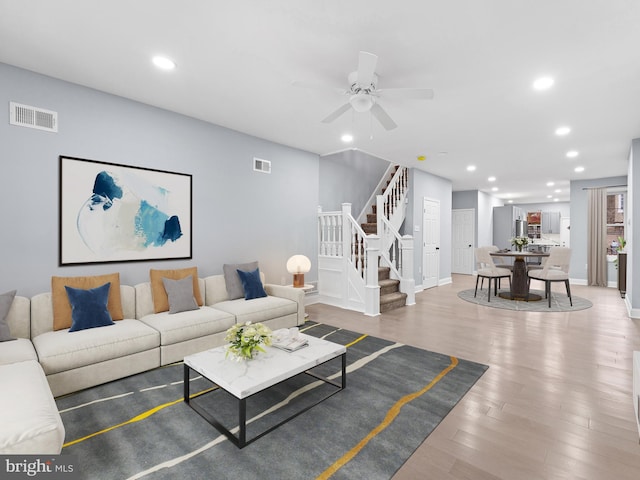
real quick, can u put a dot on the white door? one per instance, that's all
(462, 240)
(430, 243)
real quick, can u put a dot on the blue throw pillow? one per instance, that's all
(252, 284)
(89, 307)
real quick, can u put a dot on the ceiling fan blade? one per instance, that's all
(333, 116)
(406, 93)
(318, 86)
(383, 117)
(366, 68)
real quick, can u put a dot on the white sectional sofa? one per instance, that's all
(190, 332)
(30, 422)
(142, 340)
(78, 360)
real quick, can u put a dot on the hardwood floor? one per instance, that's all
(555, 402)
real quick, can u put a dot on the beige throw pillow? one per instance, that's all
(160, 298)
(62, 306)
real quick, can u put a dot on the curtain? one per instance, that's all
(597, 239)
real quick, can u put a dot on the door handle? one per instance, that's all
(469, 245)
(437, 248)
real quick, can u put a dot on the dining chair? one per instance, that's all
(556, 269)
(499, 262)
(487, 269)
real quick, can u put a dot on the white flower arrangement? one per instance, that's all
(245, 340)
(520, 242)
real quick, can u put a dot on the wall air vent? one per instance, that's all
(33, 117)
(260, 165)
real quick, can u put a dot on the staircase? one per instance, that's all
(390, 295)
(365, 264)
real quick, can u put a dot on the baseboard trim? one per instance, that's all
(445, 281)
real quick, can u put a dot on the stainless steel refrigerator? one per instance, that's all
(521, 228)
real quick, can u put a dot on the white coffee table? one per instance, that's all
(246, 378)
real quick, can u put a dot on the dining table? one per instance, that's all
(519, 281)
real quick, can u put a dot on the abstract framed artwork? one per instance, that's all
(119, 213)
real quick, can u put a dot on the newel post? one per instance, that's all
(371, 288)
(407, 282)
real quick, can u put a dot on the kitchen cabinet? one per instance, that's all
(550, 222)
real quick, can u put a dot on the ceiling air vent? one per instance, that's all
(33, 117)
(260, 165)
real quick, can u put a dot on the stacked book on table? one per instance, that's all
(288, 342)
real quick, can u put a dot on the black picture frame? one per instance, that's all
(111, 212)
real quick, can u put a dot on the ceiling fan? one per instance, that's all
(364, 94)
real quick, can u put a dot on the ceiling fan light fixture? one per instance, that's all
(361, 102)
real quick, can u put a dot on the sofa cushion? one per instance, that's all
(258, 309)
(58, 351)
(17, 351)
(189, 325)
(60, 300)
(232, 280)
(89, 307)
(29, 416)
(6, 300)
(180, 294)
(251, 284)
(159, 294)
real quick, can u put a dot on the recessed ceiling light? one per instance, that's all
(561, 131)
(543, 83)
(491, 179)
(578, 169)
(549, 196)
(494, 189)
(550, 184)
(471, 168)
(347, 138)
(509, 201)
(164, 63)
(556, 199)
(557, 190)
(572, 154)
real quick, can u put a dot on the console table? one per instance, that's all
(622, 274)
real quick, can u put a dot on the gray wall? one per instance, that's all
(238, 214)
(483, 204)
(349, 177)
(579, 221)
(423, 184)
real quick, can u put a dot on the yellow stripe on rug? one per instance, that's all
(137, 418)
(393, 412)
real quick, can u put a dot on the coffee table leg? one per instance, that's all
(242, 423)
(344, 370)
(186, 383)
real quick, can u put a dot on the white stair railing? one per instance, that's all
(396, 250)
(398, 256)
(347, 262)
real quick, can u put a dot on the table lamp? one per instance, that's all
(298, 265)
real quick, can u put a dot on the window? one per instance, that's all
(615, 220)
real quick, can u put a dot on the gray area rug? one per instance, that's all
(139, 427)
(559, 301)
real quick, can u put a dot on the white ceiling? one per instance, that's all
(236, 62)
